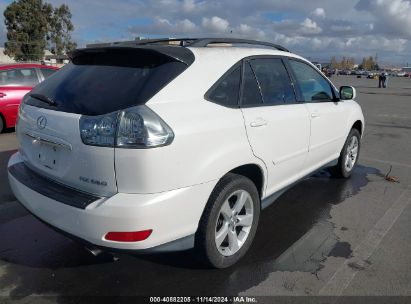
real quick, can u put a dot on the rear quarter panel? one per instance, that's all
(210, 140)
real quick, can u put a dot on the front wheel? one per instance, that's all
(349, 156)
(229, 222)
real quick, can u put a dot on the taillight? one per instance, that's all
(19, 113)
(136, 127)
(98, 130)
(139, 127)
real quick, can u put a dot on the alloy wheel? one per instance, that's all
(351, 154)
(234, 222)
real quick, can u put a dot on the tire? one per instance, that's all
(2, 124)
(345, 167)
(217, 219)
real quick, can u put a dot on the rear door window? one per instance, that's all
(251, 92)
(103, 81)
(19, 77)
(273, 80)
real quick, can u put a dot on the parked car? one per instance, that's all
(152, 148)
(16, 80)
(345, 72)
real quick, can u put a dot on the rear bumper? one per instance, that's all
(173, 215)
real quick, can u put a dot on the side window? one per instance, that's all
(313, 86)
(4, 79)
(273, 80)
(19, 77)
(47, 72)
(251, 91)
(226, 91)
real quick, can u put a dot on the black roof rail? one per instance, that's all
(203, 42)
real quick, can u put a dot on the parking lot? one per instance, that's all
(322, 237)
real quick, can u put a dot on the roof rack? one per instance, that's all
(204, 42)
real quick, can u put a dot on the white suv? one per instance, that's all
(154, 147)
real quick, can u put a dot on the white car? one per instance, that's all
(153, 147)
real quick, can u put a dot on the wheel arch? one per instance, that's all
(254, 172)
(358, 125)
(3, 119)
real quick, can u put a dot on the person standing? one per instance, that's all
(380, 80)
(385, 79)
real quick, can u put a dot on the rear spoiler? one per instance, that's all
(174, 53)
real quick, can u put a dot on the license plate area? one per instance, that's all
(45, 152)
(47, 155)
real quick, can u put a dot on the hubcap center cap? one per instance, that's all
(233, 222)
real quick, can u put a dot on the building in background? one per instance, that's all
(49, 58)
(4, 58)
(56, 60)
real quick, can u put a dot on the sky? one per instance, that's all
(316, 29)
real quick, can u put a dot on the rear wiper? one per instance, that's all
(43, 98)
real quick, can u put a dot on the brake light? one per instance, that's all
(137, 127)
(135, 236)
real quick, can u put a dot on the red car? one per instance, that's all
(16, 80)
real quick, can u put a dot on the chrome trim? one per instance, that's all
(36, 138)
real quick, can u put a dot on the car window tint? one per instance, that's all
(273, 80)
(47, 72)
(227, 90)
(107, 80)
(313, 86)
(251, 92)
(18, 77)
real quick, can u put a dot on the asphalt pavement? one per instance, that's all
(324, 236)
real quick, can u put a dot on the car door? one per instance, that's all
(278, 127)
(328, 115)
(14, 84)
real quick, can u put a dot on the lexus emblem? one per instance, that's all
(41, 122)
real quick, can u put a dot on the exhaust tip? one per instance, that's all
(94, 251)
(104, 255)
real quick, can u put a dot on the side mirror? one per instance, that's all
(347, 93)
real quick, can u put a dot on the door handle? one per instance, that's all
(315, 115)
(259, 122)
(3, 95)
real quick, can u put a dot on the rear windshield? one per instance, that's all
(104, 81)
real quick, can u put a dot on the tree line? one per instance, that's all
(344, 64)
(348, 63)
(34, 26)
